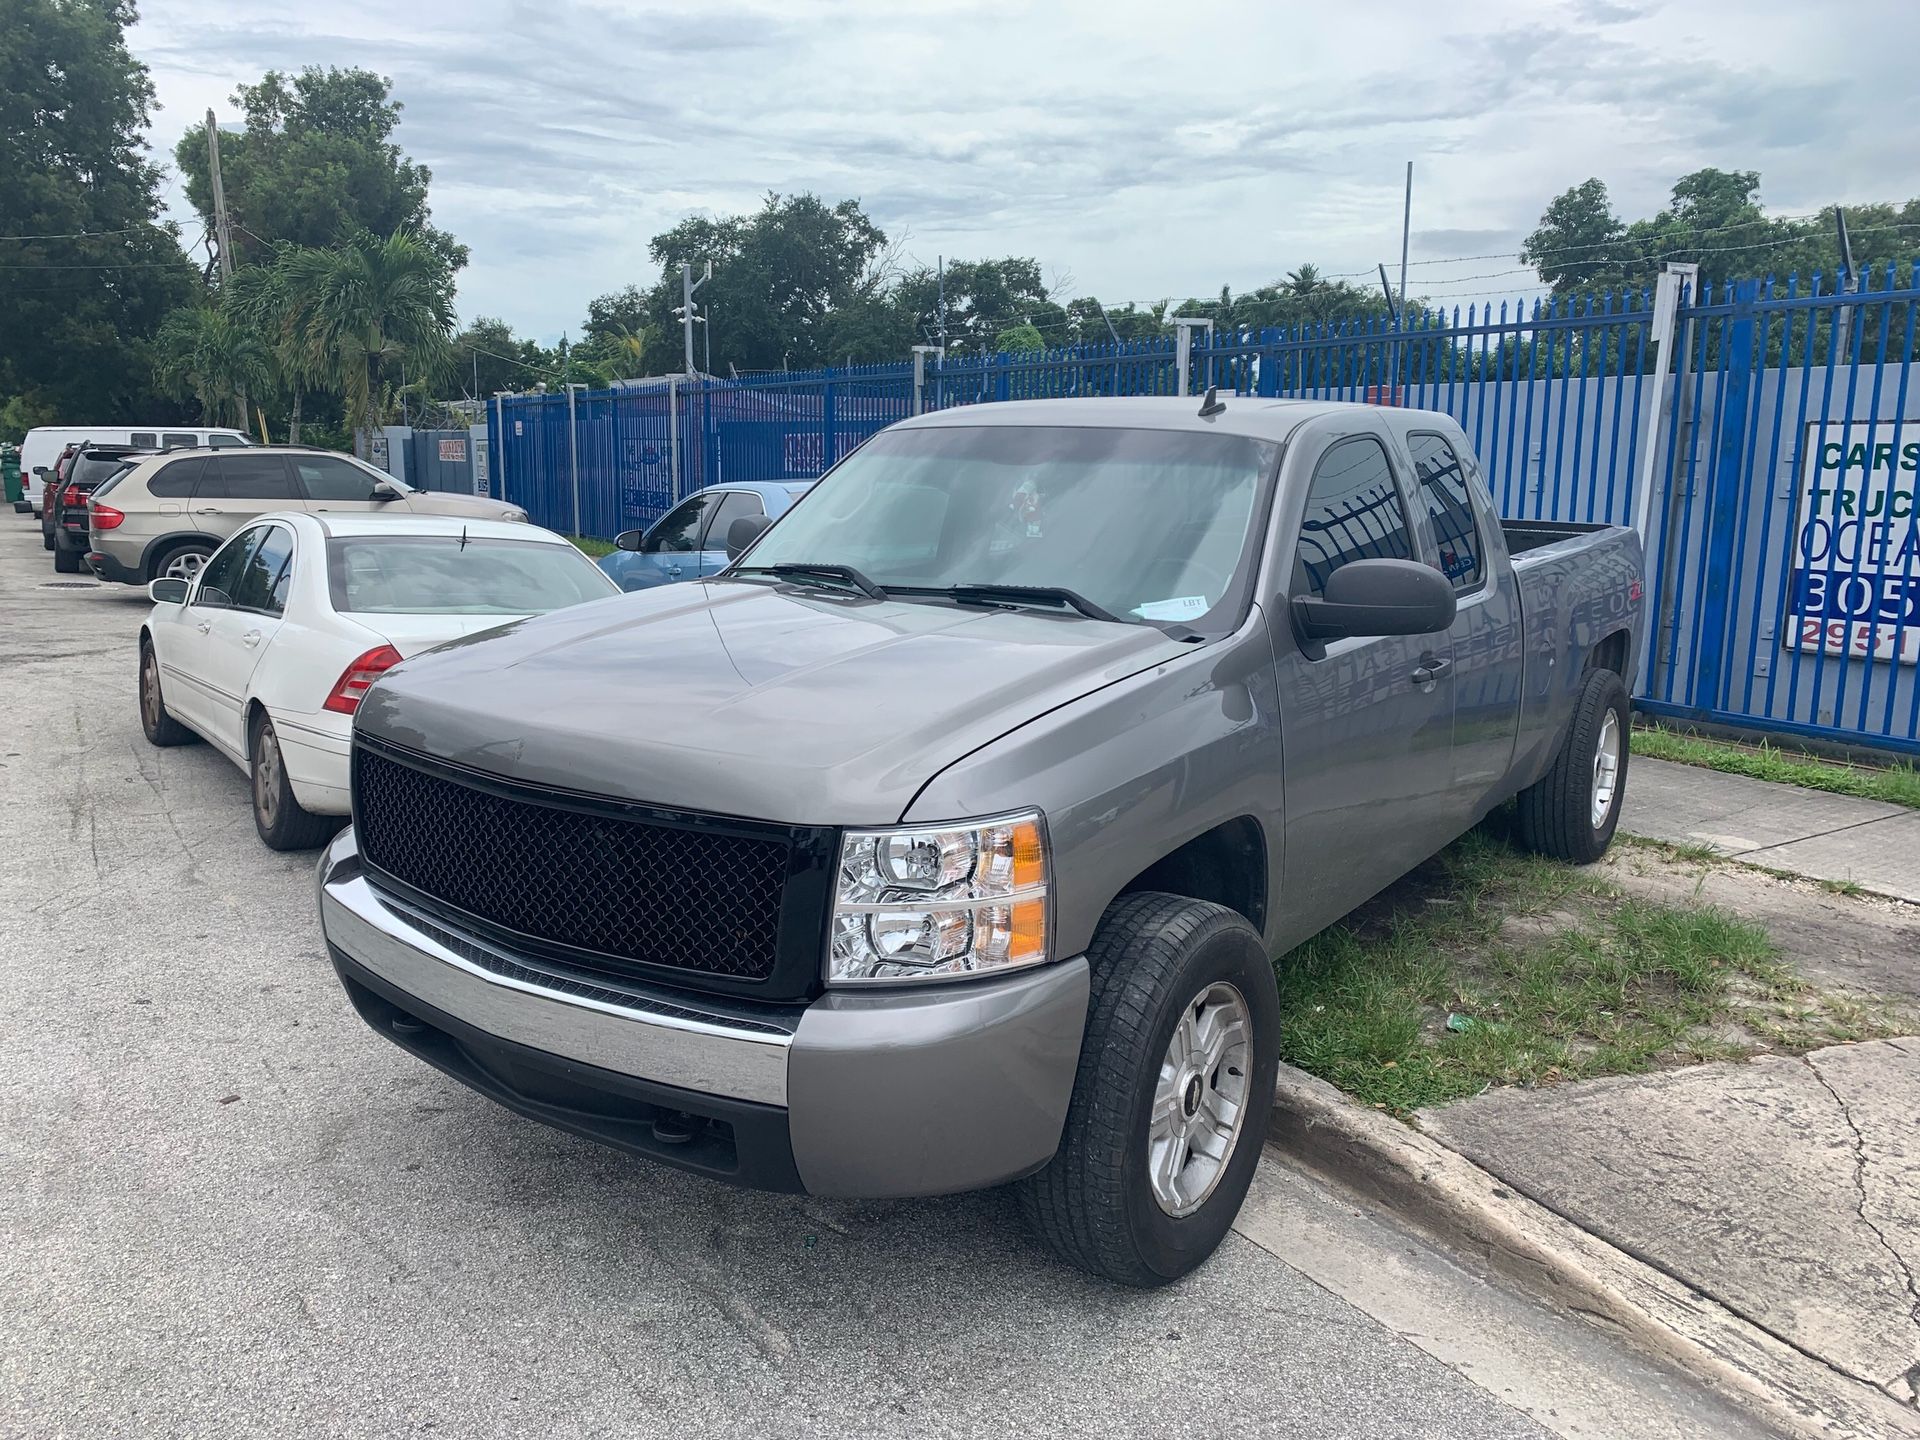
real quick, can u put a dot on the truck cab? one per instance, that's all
(945, 837)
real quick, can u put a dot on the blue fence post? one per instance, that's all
(827, 457)
(1725, 500)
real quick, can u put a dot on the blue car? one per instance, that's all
(690, 540)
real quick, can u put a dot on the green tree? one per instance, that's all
(1579, 240)
(779, 275)
(81, 300)
(209, 354)
(1017, 338)
(315, 162)
(371, 315)
(488, 357)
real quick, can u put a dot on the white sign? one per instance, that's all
(1855, 585)
(519, 427)
(453, 449)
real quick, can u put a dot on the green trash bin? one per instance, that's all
(10, 471)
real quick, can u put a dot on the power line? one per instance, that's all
(87, 234)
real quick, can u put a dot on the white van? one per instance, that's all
(43, 446)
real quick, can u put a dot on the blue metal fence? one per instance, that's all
(1755, 623)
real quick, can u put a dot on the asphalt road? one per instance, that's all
(228, 1208)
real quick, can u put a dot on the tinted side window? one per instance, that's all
(262, 582)
(244, 477)
(175, 481)
(1353, 513)
(324, 478)
(145, 439)
(735, 505)
(224, 569)
(1443, 486)
(679, 528)
(226, 442)
(174, 441)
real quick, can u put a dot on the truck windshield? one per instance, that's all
(1151, 525)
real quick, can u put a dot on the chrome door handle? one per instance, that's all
(1430, 669)
(209, 510)
(673, 570)
(204, 627)
(250, 639)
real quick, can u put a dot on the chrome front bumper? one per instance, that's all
(877, 1093)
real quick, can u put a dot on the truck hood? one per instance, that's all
(742, 699)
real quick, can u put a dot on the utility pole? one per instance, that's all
(223, 237)
(940, 314)
(1400, 306)
(687, 286)
(1843, 315)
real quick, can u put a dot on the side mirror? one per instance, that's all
(41, 471)
(743, 532)
(1378, 597)
(168, 590)
(384, 491)
(629, 539)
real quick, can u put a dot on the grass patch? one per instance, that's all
(593, 547)
(1895, 784)
(1491, 967)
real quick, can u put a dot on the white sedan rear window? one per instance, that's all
(449, 575)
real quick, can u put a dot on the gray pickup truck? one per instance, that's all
(945, 838)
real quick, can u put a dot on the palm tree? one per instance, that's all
(214, 356)
(259, 295)
(363, 306)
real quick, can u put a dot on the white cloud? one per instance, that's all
(1149, 150)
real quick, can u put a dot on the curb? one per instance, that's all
(1445, 1194)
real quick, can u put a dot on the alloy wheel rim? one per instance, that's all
(185, 567)
(1606, 768)
(1199, 1100)
(266, 775)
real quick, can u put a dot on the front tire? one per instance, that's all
(283, 823)
(1170, 1104)
(159, 726)
(1571, 812)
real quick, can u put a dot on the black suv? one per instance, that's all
(66, 504)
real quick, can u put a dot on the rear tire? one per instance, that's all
(65, 561)
(1571, 812)
(182, 562)
(279, 817)
(160, 727)
(1169, 1108)
(46, 533)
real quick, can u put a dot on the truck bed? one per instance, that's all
(1525, 535)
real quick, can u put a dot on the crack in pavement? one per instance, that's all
(1860, 1189)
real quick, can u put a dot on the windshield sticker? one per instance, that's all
(1181, 607)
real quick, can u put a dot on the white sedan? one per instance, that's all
(268, 651)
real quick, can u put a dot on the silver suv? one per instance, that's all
(168, 514)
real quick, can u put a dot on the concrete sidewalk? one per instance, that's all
(1757, 1223)
(1783, 827)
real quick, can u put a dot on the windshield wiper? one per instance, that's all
(806, 570)
(1032, 595)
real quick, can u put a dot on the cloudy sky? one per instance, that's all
(1138, 150)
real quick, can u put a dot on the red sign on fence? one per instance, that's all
(453, 449)
(1383, 395)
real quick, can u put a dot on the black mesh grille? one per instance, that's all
(683, 897)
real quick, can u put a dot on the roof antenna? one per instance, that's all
(463, 537)
(1212, 405)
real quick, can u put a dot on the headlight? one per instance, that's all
(927, 902)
